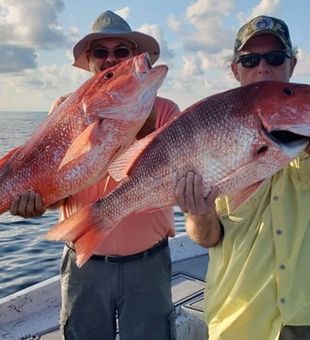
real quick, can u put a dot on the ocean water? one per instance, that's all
(26, 257)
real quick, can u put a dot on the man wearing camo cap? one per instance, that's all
(258, 282)
(263, 25)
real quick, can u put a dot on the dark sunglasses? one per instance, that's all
(103, 53)
(274, 58)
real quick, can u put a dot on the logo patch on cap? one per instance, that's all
(263, 24)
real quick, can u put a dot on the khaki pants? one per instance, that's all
(295, 333)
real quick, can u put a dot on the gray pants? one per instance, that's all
(295, 333)
(137, 292)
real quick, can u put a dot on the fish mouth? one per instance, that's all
(290, 142)
(284, 136)
(148, 61)
(143, 64)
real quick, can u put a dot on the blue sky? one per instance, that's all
(196, 39)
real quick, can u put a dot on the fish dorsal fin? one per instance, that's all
(8, 155)
(120, 168)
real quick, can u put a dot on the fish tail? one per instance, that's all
(71, 228)
(85, 246)
(84, 229)
(77, 225)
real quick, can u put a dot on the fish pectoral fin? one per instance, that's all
(120, 167)
(83, 143)
(8, 155)
(243, 195)
(250, 176)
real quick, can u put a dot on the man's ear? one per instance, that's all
(293, 64)
(234, 70)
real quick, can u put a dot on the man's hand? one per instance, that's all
(202, 224)
(28, 204)
(189, 195)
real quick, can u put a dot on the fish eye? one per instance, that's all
(289, 91)
(108, 75)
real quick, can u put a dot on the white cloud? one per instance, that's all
(207, 18)
(302, 69)
(202, 75)
(264, 7)
(25, 28)
(203, 67)
(191, 66)
(42, 86)
(153, 30)
(124, 12)
(73, 36)
(187, 90)
(174, 23)
(202, 10)
(32, 23)
(16, 58)
(195, 64)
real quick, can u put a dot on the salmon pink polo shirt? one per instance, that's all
(137, 232)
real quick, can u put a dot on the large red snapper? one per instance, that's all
(234, 140)
(71, 149)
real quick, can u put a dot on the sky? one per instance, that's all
(196, 39)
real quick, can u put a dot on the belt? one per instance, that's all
(122, 259)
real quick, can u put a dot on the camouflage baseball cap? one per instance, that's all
(263, 25)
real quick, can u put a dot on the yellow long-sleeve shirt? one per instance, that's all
(259, 276)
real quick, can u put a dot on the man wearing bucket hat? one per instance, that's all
(258, 282)
(130, 276)
(110, 27)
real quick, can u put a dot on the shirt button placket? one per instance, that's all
(280, 255)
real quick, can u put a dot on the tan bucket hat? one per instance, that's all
(111, 25)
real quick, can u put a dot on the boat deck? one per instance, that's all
(187, 289)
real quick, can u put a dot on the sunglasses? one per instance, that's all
(103, 53)
(274, 58)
